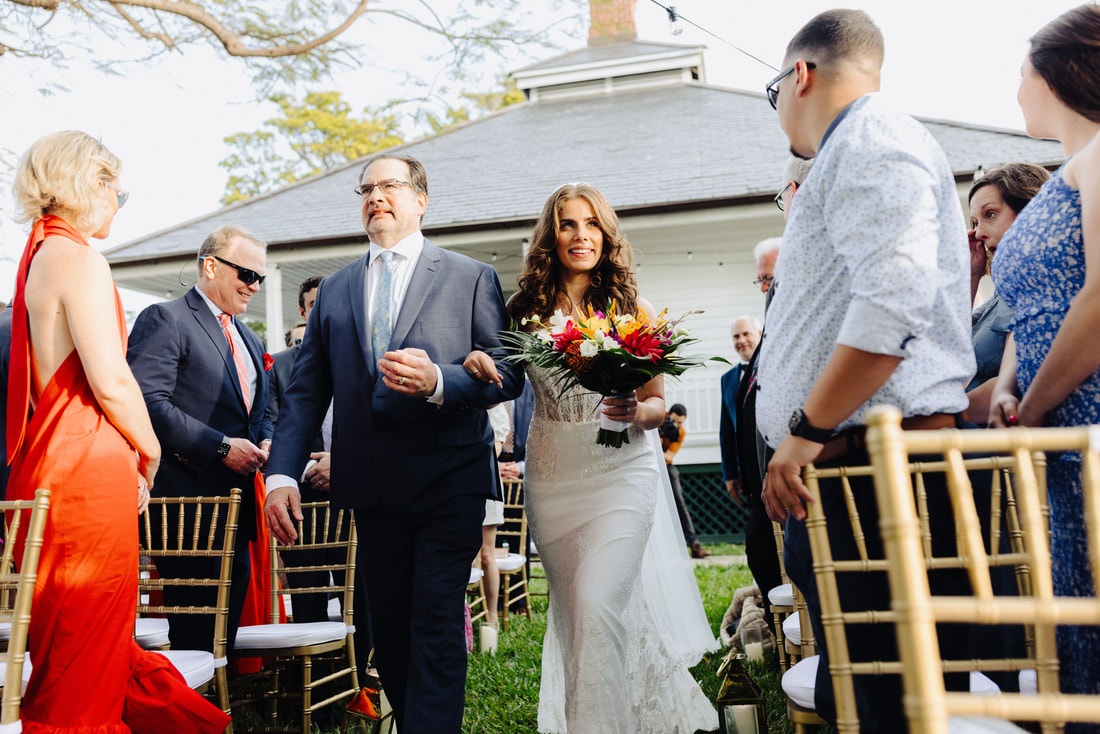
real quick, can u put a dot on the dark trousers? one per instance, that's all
(681, 507)
(416, 566)
(195, 631)
(761, 552)
(878, 697)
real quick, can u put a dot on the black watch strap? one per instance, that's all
(800, 426)
(223, 449)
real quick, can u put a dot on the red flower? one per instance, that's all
(642, 344)
(269, 362)
(568, 335)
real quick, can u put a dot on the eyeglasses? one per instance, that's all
(389, 186)
(248, 277)
(772, 89)
(779, 197)
(766, 280)
(123, 196)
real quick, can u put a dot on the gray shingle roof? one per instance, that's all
(683, 143)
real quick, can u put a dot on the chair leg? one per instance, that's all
(272, 701)
(221, 681)
(505, 599)
(780, 641)
(307, 692)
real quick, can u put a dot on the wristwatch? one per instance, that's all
(223, 449)
(800, 426)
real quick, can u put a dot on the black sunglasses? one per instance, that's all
(248, 277)
(772, 89)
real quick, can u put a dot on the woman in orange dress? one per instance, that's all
(77, 426)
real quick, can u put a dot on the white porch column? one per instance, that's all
(273, 287)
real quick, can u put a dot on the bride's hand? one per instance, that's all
(623, 408)
(481, 367)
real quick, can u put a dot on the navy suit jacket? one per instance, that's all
(181, 359)
(727, 426)
(402, 453)
(283, 365)
(522, 410)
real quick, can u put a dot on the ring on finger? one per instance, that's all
(402, 381)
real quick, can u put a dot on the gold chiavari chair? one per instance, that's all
(927, 704)
(17, 593)
(513, 567)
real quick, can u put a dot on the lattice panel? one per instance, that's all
(715, 516)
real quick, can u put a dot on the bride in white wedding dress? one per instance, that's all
(626, 620)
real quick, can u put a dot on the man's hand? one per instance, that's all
(783, 488)
(244, 457)
(482, 367)
(733, 489)
(509, 471)
(409, 372)
(317, 476)
(669, 456)
(280, 505)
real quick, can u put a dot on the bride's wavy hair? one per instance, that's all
(611, 278)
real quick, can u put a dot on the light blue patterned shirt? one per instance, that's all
(874, 257)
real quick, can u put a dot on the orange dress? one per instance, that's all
(89, 676)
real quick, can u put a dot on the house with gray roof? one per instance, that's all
(691, 169)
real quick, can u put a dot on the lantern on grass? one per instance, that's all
(740, 704)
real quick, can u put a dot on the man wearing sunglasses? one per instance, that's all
(871, 309)
(412, 451)
(202, 374)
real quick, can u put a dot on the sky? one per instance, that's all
(166, 117)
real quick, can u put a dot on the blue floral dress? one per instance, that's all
(1039, 269)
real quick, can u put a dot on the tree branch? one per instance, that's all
(164, 38)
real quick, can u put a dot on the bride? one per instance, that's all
(626, 620)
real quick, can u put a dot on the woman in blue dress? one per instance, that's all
(1048, 271)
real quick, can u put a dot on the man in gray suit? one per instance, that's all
(412, 451)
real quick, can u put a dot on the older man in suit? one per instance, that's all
(203, 376)
(412, 448)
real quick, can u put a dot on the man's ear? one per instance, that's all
(803, 78)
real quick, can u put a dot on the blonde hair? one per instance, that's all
(62, 172)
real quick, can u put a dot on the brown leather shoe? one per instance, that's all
(698, 551)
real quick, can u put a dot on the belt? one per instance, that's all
(854, 440)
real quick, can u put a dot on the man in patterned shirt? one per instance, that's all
(872, 311)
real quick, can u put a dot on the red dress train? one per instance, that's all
(89, 676)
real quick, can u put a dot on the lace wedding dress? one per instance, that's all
(626, 620)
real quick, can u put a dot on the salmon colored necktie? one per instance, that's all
(242, 373)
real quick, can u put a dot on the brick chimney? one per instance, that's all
(612, 22)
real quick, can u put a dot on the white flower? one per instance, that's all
(558, 322)
(589, 348)
(544, 336)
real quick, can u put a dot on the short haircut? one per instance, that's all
(1017, 182)
(307, 285)
(765, 247)
(1066, 54)
(217, 242)
(286, 337)
(678, 409)
(797, 170)
(755, 321)
(839, 35)
(62, 172)
(417, 175)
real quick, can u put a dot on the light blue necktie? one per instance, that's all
(382, 328)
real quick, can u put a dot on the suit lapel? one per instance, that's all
(213, 329)
(254, 346)
(424, 275)
(357, 297)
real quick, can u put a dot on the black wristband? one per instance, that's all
(800, 426)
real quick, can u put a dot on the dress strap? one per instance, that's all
(19, 371)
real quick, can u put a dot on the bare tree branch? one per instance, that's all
(141, 31)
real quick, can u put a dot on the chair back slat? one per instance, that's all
(322, 527)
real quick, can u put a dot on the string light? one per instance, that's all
(675, 18)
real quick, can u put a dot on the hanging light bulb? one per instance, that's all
(689, 254)
(674, 26)
(494, 257)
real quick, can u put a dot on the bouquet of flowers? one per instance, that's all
(611, 354)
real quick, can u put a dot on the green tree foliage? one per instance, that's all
(309, 136)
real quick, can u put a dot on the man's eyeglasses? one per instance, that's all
(766, 280)
(772, 89)
(779, 197)
(248, 277)
(389, 186)
(123, 196)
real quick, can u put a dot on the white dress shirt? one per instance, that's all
(238, 345)
(874, 257)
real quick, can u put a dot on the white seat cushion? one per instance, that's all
(476, 575)
(513, 562)
(782, 596)
(334, 613)
(799, 681)
(5, 630)
(792, 629)
(981, 725)
(982, 685)
(1029, 682)
(260, 636)
(196, 666)
(151, 632)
